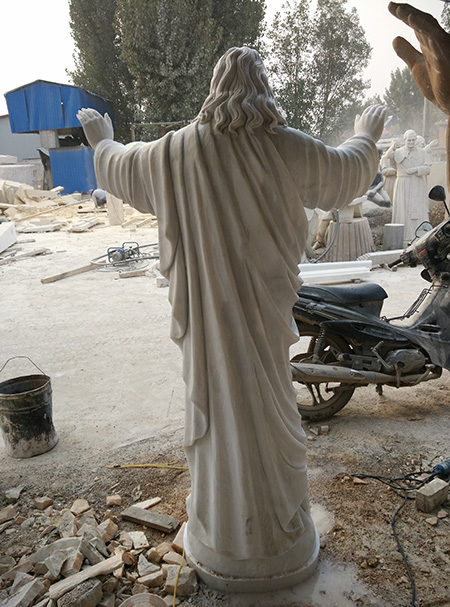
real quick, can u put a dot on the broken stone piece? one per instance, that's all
(187, 583)
(113, 500)
(107, 530)
(432, 495)
(156, 554)
(41, 503)
(73, 563)
(161, 522)
(152, 580)
(173, 558)
(12, 495)
(148, 503)
(145, 567)
(67, 526)
(177, 543)
(6, 563)
(86, 594)
(7, 514)
(79, 506)
(139, 540)
(432, 520)
(27, 594)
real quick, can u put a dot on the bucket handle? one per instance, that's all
(14, 357)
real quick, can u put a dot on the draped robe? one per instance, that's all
(232, 228)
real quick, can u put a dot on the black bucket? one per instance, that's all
(26, 414)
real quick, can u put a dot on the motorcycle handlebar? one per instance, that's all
(395, 263)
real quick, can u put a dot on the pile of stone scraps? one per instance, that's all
(82, 560)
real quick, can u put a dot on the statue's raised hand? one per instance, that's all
(431, 67)
(96, 127)
(371, 121)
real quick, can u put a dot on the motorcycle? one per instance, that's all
(346, 343)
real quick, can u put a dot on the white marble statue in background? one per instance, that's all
(229, 192)
(389, 167)
(410, 193)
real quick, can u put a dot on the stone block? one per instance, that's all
(8, 235)
(178, 543)
(67, 526)
(27, 594)
(7, 514)
(173, 558)
(79, 506)
(86, 594)
(152, 580)
(107, 530)
(432, 495)
(73, 563)
(41, 503)
(186, 582)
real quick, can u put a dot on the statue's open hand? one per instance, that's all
(431, 68)
(96, 127)
(371, 121)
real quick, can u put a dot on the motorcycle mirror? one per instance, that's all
(437, 193)
(423, 228)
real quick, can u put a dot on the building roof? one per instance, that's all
(43, 105)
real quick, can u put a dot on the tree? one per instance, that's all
(340, 54)
(404, 100)
(445, 17)
(154, 58)
(98, 66)
(317, 65)
(169, 47)
(289, 55)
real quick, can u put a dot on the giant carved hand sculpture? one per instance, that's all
(431, 67)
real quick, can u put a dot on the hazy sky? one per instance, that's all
(36, 44)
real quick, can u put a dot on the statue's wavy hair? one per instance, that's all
(240, 94)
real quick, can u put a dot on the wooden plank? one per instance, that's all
(73, 272)
(132, 273)
(161, 522)
(33, 253)
(108, 566)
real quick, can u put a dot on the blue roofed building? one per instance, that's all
(50, 109)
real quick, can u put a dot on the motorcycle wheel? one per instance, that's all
(320, 401)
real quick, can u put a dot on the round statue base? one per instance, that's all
(223, 583)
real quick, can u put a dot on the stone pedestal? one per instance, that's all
(255, 575)
(353, 240)
(393, 236)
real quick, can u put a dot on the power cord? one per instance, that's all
(402, 486)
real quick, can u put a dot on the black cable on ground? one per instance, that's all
(398, 485)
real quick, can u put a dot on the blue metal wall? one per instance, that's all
(42, 105)
(73, 168)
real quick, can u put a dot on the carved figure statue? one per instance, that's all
(410, 205)
(431, 67)
(389, 169)
(229, 192)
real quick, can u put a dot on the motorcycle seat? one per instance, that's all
(344, 294)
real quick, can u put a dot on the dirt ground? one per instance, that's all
(118, 400)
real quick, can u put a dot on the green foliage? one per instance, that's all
(98, 66)
(404, 100)
(154, 58)
(445, 17)
(317, 65)
(169, 46)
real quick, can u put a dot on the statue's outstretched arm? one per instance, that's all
(96, 127)
(371, 122)
(431, 67)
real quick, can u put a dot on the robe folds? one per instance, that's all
(410, 201)
(232, 228)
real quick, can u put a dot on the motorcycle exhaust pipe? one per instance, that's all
(314, 373)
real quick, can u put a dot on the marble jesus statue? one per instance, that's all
(230, 191)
